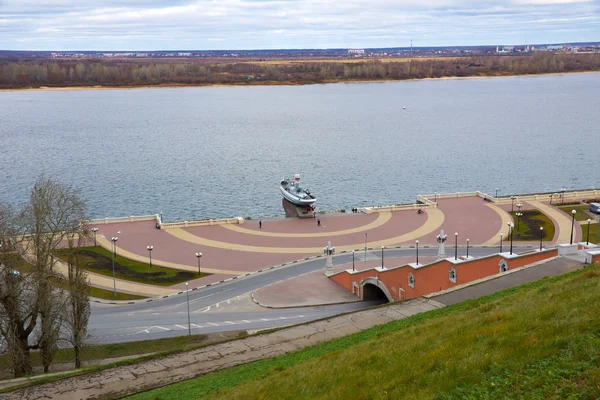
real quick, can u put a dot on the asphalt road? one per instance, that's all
(210, 308)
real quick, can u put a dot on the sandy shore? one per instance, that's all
(176, 86)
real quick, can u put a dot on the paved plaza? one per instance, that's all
(233, 250)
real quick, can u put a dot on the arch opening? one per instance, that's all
(371, 292)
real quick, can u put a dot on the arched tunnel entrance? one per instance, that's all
(373, 292)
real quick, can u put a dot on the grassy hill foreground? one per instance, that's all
(536, 341)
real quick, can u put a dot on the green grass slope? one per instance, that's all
(536, 341)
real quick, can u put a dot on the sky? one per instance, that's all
(291, 24)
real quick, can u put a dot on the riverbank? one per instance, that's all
(280, 83)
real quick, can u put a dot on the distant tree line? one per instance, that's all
(65, 73)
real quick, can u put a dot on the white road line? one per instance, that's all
(246, 321)
(213, 324)
(196, 326)
(179, 326)
(160, 327)
(264, 319)
(229, 322)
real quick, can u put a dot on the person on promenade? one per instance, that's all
(259, 224)
(318, 221)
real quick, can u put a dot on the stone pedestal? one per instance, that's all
(441, 238)
(294, 211)
(329, 265)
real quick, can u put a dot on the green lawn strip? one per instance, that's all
(527, 226)
(99, 260)
(25, 268)
(425, 354)
(101, 351)
(594, 233)
(581, 213)
(109, 295)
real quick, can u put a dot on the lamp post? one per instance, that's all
(150, 248)
(496, 192)
(435, 197)
(417, 242)
(588, 233)
(511, 227)
(467, 248)
(501, 243)
(562, 195)
(353, 252)
(94, 229)
(456, 245)
(572, 225)
(382, 247)
(551, 195)
(512, 204)
(365, 246)
(187, 295)
(198, 257)
(541, 235)
(519, 215)
(114, 243)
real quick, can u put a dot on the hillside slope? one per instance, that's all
(540, 340)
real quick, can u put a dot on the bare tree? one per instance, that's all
(78, 304)
(18, 304)
(55, 212)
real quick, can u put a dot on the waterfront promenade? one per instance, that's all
(232, 250)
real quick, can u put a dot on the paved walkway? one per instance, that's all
(121, 381)
(234, 250)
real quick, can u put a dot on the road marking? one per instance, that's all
(213, 324)
(196, 326)
(246, 321)
(179, 326)
(229, 322)
(160, 327)
(264, 319)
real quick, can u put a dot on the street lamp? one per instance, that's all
(435, 197)
(541, 235)
(382, 256)
(562, 195)
(519, 205)
(511, 228)
(417, 242)
(519, 215)
(114, 245)
(501, 243)
(198, 256)
(588, 233)
(150, 248)
(467, 248)
(353, 251)
(496, 192)
(551, 195)
(456, 245)
(572, 225)
(187, 295)
(94, 229)
(365, 246)
(512, 204)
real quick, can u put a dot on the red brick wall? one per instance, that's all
(435, 277)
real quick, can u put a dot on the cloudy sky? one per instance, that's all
(273, 24)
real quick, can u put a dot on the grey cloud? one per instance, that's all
(231, 24)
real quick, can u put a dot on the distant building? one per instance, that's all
(356, 52)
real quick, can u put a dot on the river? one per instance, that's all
(221, 151)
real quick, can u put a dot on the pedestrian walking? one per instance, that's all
(260, 224)
(318, 221)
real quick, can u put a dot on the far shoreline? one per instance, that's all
(286, 83)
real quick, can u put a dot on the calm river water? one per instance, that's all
(221, 151)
